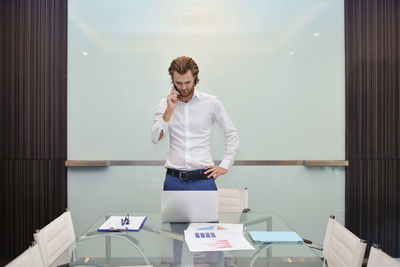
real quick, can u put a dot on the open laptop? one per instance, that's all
(189, 206)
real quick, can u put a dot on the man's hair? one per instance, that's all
(183, 65)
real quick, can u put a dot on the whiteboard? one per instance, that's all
(277, 66)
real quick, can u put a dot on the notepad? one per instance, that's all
(113, 224)
(273, 236)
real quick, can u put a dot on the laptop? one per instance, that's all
(189, 206)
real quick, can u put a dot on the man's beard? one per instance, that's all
(187, 92)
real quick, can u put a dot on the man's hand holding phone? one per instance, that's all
(172, 100)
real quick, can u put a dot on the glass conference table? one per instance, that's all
(162, 244)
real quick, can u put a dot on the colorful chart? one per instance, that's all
(216, 227)
(220, 244)
(205, 235)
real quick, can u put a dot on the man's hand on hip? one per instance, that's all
(215, 171)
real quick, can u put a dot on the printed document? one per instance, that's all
(216, 226)
(216, 237)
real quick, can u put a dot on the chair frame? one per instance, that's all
(42, 236)
(378, 256)
(31, 255)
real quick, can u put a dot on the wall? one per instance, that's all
(33, 88)
(278, 68)
(372, 122)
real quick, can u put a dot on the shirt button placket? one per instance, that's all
(187, 136)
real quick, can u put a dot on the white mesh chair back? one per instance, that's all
(378, 258)
(341, 247)
(233, 200)
(55, 238)
(30, 257)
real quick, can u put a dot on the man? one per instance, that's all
(189, 115)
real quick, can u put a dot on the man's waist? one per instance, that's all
(188, 175)
(188, 164)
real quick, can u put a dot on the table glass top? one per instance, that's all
(160, 243)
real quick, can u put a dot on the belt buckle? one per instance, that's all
(183, 178)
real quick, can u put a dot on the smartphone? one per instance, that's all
(176, 89)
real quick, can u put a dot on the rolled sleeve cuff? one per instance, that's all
(226, 163)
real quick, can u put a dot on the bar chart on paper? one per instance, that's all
(217, 243)
(205, 235)
(219, 240)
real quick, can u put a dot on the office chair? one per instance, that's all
(233, 200)
(233, 203)
(378, 258)
(341, 247)
(30, 257)
(55, 238)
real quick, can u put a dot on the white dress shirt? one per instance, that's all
(190, 129)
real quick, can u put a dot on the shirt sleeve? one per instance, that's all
(231, 135)
(159, 124)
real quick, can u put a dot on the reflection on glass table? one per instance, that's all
(162, 244)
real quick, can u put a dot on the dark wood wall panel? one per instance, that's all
(36, 193)
(33, 84)
(33, 120)
(372, 79)
(373, 202)
(372, 29)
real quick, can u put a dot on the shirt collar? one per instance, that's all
(196, 93)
